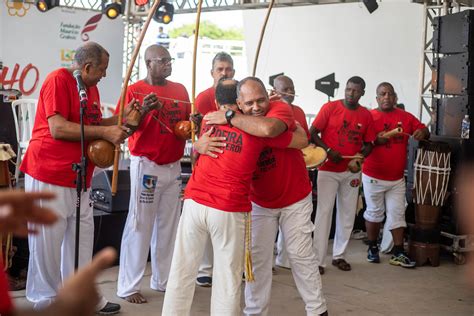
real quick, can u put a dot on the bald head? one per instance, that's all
(158, 64)
(284, 86)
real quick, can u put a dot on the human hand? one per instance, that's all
(151, 102)
(208, 145)
(421, 134)
(216, 118)
(381, 140)
(79, 295)
(116, 134)
(334, 156)
(18, 207)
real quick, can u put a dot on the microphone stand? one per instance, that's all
(81, 174)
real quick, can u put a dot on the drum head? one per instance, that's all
(313, 156)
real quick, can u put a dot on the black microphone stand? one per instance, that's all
(81, 174)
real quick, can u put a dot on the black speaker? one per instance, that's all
(450, 112)
(454, 74)
(101, 191)
(7, 124)
(453, 33)
(371, 5)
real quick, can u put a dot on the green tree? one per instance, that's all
(209, 30)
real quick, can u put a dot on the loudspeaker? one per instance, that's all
(108, 230)
(450, 112)
(101, 191)
(453, 33)
(453, 74)
(371, 5)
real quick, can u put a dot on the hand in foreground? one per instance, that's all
(79, 296)
(150, 103)
(18, 207)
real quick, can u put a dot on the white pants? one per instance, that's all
(296, 228)
(226, 230)
(385, 197)
(151, 223)
(343, 187)
(52, 249)
(205, 269)
(281, 259)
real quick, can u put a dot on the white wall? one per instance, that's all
(47, 41)
(310, 42)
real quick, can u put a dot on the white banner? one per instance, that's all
(32, 44)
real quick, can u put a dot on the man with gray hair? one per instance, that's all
(54, 147)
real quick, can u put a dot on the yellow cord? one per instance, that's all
(248, 253)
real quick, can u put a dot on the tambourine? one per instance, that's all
(314, 156)
(101, 153)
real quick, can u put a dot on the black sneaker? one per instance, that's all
(373, 255)
(109, 309)
(204, 281)
(402, 260)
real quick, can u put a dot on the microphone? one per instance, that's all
(81, 88)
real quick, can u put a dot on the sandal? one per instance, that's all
(341, 264)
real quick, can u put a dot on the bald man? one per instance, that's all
(155, 180)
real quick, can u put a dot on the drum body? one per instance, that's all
(314, 156)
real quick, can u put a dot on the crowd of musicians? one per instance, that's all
(249, 186)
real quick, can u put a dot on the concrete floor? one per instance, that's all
(369, 289)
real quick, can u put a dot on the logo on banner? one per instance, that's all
(26, 82)
(90, 25)
(69, 31)
(67, 57)
(17, 8)
(149, 185)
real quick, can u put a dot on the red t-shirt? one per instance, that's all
(395, 150)
(206, 101)
(50, 160)
(153, 139)
(224, 182)
(6, 305)
(281, 178)
(300, 117)
(343, 130)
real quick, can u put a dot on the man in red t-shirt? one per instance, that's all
(155, 180)
(277, 202)
(384, 183)
(346, 130)
(222, 67)
(284, 87)
(52, 150)
(216, 205)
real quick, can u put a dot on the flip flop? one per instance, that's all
(341, 264)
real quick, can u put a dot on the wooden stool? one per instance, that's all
(423, 253)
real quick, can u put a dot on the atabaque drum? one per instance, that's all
(314, 156)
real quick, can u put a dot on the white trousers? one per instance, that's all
(281, 259)
(226, 230)
(205, 269)
(296, 228)
(52, 249)
(344, 188)
(151, 224)
(385, 198)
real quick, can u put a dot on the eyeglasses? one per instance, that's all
(163, 61)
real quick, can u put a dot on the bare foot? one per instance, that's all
(136, 298)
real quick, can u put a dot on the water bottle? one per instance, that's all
(465, 127)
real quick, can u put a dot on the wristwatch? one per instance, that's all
(229, 115)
